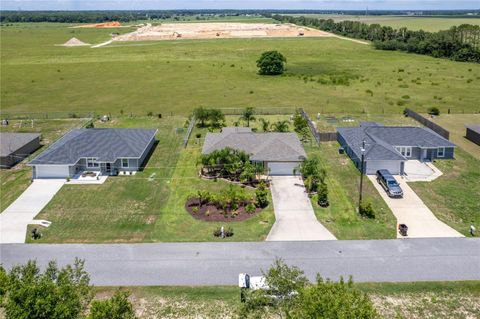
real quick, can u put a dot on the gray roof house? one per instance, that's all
(14, 147)
(108, 150)
(388, 147)
(473, 133)
(281, 153)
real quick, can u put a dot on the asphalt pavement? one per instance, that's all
(427, 259)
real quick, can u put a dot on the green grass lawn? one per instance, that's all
(342, 120)
(439, 300)
(177, 76)
(455, 124)
(147, 207)
(343, 181)
(427, 23)
(15, 180)
(454, 197)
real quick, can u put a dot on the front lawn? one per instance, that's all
(146, 207)
(343, 181)
(455, 196)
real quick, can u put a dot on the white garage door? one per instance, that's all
(282, 168)
(392, 166)
(53, 171)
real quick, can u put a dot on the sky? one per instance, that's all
(238, 4)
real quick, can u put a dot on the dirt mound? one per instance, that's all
(74, 42)
(111, 24)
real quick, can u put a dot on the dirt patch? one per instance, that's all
(74, 42)
(174, 31)
(217, 215)
(111, 24)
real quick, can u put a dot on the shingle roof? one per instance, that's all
(106, 144)
(381, 140)
(11, 142)
(474, 127)
(282, 147)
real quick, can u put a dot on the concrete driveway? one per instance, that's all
(411, 210)
(416, 171)
(15, 218)
(294, 215)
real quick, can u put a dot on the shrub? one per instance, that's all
(198, 135)
(90, 125)
(117, 307)
(195, 210)
(433, 110)
(406, 97)
(366, 210)
(250, 208)
(322, 192)
(369, 92)
(150, 113)
(400, 103)
(261, 195)
(227, 232)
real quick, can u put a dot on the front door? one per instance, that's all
(424, 155)
(108, 168)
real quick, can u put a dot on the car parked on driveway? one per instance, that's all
(389, 183)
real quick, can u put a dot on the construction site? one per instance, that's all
(218, 30)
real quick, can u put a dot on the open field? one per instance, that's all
(423, 300)
(326, 75)
(218, 30)
(454, 197)
(328, 123)
(343, 181)
(148, 206)
(426, 23)
(455, 123)
(15, 180)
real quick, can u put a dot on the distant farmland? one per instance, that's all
(324, 75)
(427, 23)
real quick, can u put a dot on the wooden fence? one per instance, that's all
(319, 136)
(433, 126)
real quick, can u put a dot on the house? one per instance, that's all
(280, 153)
(389, 147)
(473, 133)
(14, 147)
(108, 150)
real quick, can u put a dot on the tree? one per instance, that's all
(248, 115)
(117, 307)
(299, 122)
(327, 299)
(261, 194)
(433, 111)
(201, 114)
(216, 118)
(322, 193)
(280, 126)
(248, 173)
(55, 293)
(271, 63)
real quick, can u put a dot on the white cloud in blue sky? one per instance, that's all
(238, 4)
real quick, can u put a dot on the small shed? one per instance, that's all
(473, 133)
(14, 147)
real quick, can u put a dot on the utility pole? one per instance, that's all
(362, 170)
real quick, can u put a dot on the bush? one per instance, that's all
(366, 210)
(90, 125)
(322, 192)
(433, 110)
(261, 195)
(117, 307)
(271, 63)
(250, 208)
(198, 135)
(228, 232)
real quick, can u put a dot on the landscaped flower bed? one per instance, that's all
(228, 205)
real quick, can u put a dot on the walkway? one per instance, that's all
(439, 259)
(411, 210)
(294, 215)
(15, 218)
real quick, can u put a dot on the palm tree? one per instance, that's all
(248, 115)
(280, 126)
(265, 124)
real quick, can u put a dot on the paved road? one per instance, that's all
(294, 215)
(15, 218)
(411, 210)
(426, 259)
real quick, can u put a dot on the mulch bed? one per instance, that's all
(218, 215)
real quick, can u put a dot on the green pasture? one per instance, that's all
(326, 75)
(426, 23)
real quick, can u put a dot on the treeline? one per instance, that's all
(106, 16)
(460, 43)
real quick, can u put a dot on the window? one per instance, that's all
(404, 150)
(92, 162)
(124, 162)
(441, 152)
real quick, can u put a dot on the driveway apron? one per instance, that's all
(15, 218)
(295, 218)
